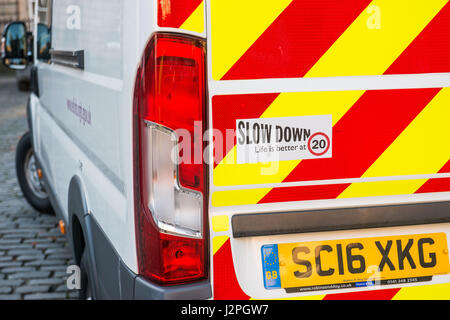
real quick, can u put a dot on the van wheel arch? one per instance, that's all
(77, 209)
(80, 235)
(77, 237)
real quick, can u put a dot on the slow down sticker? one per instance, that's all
(283, 139)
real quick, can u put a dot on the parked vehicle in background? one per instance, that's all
(236, 150)
(14, 10)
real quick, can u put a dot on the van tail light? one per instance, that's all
(170, 188)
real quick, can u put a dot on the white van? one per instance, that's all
(235, 149)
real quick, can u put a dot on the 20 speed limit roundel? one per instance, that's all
(319, 144)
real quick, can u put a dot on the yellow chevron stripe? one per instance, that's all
(228, 172)
(218, 242)
(421, 149)
(236, 25)
(369, 49)
(382, 188)
(429, 292)
(220, 223)
(238, 197)
(196, 22)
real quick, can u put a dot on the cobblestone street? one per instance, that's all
(34, 255)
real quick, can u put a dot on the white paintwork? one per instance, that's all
(113, 34)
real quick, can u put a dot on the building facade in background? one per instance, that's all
(13, 10)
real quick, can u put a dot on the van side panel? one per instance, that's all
(85, 116)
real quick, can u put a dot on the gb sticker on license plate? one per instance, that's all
(271, 268)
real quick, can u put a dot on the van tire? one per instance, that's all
(26, 170)
(23, 85)
(85, 292)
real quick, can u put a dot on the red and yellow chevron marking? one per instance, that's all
(227, 287)
(323, 38)
(182, 14)
(376, 134)
(437, 185)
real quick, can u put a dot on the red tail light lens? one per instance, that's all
(176, 96)
(170, 180)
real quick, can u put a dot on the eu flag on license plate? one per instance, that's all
(271, 266)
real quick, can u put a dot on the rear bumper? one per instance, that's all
(135, 287)
(145, 290)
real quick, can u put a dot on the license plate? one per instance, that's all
(340, 264)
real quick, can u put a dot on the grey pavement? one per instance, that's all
(33, 253)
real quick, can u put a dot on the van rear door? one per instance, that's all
(331, 171)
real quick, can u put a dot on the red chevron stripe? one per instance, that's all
(173, 13)
(361, 136)
(304, 193)
(226, 286)
(228, 109)
(437, 185)
(430, 51)
(297, 39)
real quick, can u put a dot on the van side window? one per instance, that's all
(44, 37)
